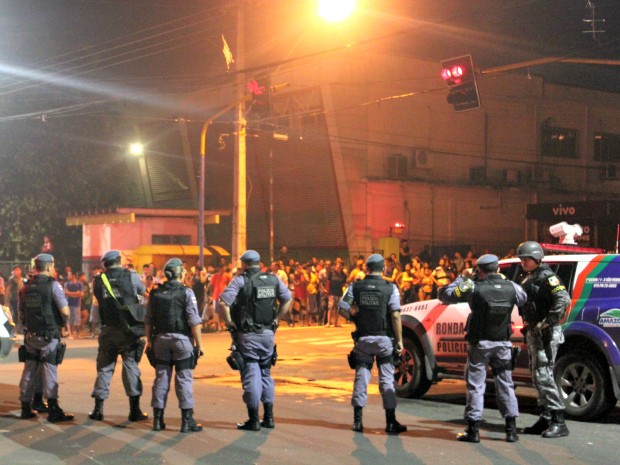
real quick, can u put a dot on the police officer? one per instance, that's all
(172, 327)
(374, 305)
(43, 310)
(547, 301)
(248, 305)
(115, 339)
(491, 299)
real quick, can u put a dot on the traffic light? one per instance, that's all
(461, 79)
(260, 88)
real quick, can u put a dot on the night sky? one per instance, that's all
(175, 45)
(68, 68)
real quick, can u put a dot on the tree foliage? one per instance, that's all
(49, 170)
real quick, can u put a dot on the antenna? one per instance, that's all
(593, 22)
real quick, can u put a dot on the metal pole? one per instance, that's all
(271, 232)
(239, 239)
(201, 195)
(203, 154)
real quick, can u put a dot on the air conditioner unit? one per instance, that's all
(477, 175)
(422, 159)
(512, 177)
(608, 172)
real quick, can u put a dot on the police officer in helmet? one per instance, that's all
(491, 299)
(547, 301)
(115, 288)
(374, 305)
(173, 333)
(249, 305)
(43, 309)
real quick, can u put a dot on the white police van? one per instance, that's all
(587, 369)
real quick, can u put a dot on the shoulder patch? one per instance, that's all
(553, 281)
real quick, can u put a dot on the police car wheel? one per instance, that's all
(584, 387)
(409, 376)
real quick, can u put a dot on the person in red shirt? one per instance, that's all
(219, 281)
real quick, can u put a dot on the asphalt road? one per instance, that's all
(313, 418)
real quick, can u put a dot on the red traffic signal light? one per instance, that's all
(452, 75)
(460, 76)
(260, 88)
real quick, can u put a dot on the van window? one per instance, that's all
(565, 270)
(510, 270)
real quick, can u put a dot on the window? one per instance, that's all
(606, 147)
(559, 142)
(161, 239)
(396, 167)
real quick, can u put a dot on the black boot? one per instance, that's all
(357, 419)
(27, 411)
(511, 429)
(471, 433)
(541, 425)
(56, 414)
(188, 424)
(158, 419)
(391, 425)
(38, 404)
(268, 421)
(135, 412)
(97, 413)
(558, 428)
(252, 423)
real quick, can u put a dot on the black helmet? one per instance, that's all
(173, 268)
(530, 249)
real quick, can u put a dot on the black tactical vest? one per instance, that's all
(255, 305)
(538, 293)
(492, 303)
(38, 307)
(371, 296)
(120, 282)
(168, 309)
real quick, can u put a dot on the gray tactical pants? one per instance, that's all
(112, 343)
(39, 374)
(258, 385)
(366, 349)
(542, 360)
(171, 347)
(496, 354)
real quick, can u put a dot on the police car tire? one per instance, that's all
(574, 373)
(416, 384)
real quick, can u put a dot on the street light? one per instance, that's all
(136, 149)
(336, 10)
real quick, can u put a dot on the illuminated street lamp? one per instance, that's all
(136, 149)
(336, 10)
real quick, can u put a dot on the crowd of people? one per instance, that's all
(317, 285)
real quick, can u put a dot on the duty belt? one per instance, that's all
(357, 334)
(48, 333)
(257, 327)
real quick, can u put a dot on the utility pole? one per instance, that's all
(239, 216)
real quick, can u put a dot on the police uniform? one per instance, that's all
(249, 306)
(171, 316)
(43, 310)
(546, 305)
(114, 338)
(491, 300)
(377, 301)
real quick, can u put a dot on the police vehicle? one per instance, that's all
(587, 369)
